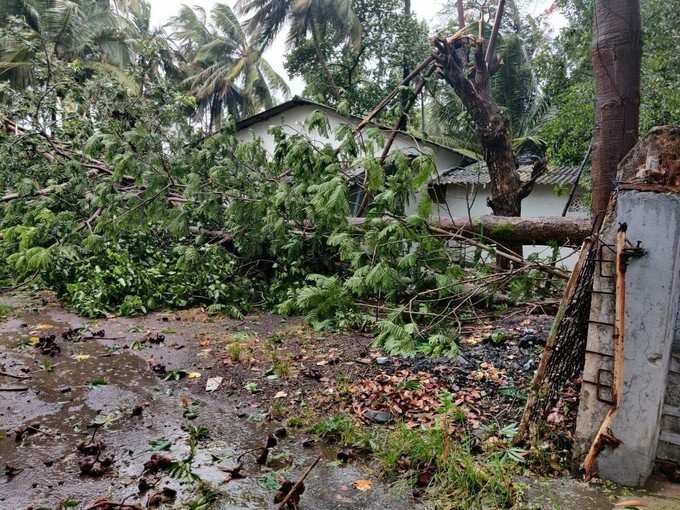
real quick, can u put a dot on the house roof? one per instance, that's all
(301, 101)
(477, 174)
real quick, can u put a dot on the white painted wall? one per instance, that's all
(293, 121)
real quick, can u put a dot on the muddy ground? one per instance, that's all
(126, 389)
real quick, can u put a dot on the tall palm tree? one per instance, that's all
(154, 53)
(226, 71)
(616, 55)
(90, 30)
(315, 18)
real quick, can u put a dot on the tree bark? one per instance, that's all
(467, 65)
(461, 14)
(616, 54)
(507, 230)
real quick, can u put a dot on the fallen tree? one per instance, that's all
(131, 212)
(511, 229)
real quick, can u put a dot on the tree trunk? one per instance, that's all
(467, 65)
(461, 14)
(616, 57)
(508, 230)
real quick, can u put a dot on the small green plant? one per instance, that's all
(270, 481)
(498, 337)
(5, 311)
(235, 351)
(251, 387)
(196, 434)
(205, 501)
(409, 385)
(277, 410)
(182, 470)
(175, 375)
(340, 429)
(47, 366)
(160, 445)
(138, 345)
(449, 408)
(106, 421)
(281, 368)
(513, 392)
(295, 422)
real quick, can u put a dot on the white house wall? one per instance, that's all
(294, 119)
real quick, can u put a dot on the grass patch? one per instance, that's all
(434, 463)
(341, 430)
(5, 311)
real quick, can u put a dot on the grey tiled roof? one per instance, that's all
(478, 174)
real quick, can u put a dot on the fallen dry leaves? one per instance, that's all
(413, 397)
(362, 485)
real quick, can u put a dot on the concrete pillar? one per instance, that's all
(652, 308)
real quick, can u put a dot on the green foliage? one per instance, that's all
(340, 429)
(5, 310)
(460, 480)
(364, 68)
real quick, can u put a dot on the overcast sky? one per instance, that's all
(163, 10)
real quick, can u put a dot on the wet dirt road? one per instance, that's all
(107, 387)
(121, 390)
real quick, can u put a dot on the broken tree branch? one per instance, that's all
(511, 229)
(295, 487)
(461, 14)
(574, 186)
(491, 48)
(539, 168)
(418, 69)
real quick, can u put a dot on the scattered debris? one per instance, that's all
(233, 472)
(91, 448)
(213, 384)
(13, 388)
(48, 346)
(362, 485)
(157, 462)
(105, 503)
(94, 466)
(154, 338)
(12, 471)
(413, 397)
(15, 376)
(289, 494)
(165, 496)
(157, 368)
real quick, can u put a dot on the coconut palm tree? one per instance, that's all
(51, 30)
(226, 72)
(315, 18)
